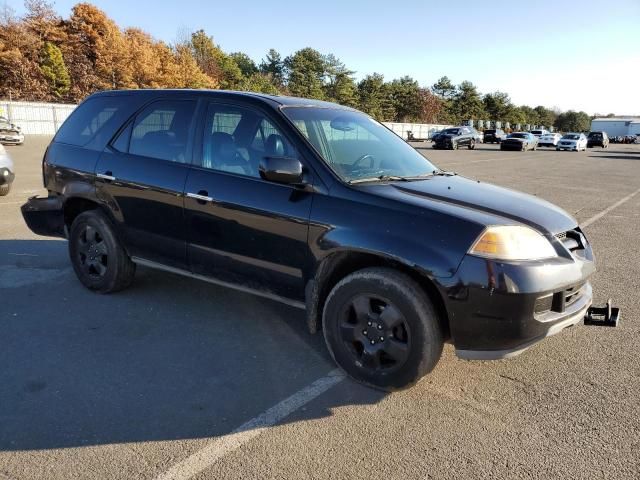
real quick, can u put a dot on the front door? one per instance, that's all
(142, 175)
(240, 228)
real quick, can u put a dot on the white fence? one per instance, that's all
(45, 119)
(36, 118)
(419, 130)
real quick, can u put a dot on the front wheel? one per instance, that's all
(98, 258)
(381, 328)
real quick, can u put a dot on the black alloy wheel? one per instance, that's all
(376, 332)
(92, 252)
(98, 258)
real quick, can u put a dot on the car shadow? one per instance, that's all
(627, 156)
(170, 358)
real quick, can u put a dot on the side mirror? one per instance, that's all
(281, 169)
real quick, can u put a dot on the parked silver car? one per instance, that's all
(6, 172)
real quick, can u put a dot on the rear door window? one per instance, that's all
(162, 130)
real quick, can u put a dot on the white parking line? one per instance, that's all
(598, 216)
(223, 446)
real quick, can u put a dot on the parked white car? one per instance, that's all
(10, 133)
(549, 140)
(6, 172)
(573, 141)
(539, 133)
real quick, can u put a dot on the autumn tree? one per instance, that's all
(221, 67)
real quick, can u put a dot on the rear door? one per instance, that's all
(142, 174)
(240, 228)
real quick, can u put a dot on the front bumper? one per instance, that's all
(6, 176)
(498, 310)
(16, 139)
(44, 216)
(506, 145)
(571, 146)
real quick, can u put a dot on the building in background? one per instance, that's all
(616, 127)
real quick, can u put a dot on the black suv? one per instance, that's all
(597, 139)
(494, 135)
(320, 207)
(452, 138)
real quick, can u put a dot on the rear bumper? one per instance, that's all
(498, 310)
(6, 176)
(44, 216)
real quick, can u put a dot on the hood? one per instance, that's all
(484, 198)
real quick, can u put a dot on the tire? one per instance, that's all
(5, 189)
(454, 146)
(98, 258)
(411, 334)
(472, 145)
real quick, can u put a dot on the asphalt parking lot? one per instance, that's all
(174, 378)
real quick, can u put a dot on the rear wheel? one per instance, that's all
(5, 189)
(381, 328)
(472, 145)
(98, 258)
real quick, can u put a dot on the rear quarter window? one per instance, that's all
(94, 121)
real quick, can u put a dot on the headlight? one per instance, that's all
(512, 243)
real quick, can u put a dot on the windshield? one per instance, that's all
(451, 131)
(518, 135)
(357, 147)
(571, 136)
(595, 135)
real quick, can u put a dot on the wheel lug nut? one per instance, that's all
(364, 332)
(369, 323)
(382, 339)
(373, 342)
(379, 327)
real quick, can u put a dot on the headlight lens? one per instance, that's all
(512, 242)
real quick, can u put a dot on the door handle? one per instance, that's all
(201, 197)
(108, 176)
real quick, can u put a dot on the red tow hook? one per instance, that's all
(606, 316)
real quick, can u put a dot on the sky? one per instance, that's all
(578, 55)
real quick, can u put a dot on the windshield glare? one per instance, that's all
(355, 146)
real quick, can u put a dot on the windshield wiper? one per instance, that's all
(444, 173)
(398, 178)
(379, 178)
